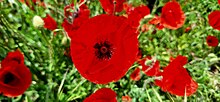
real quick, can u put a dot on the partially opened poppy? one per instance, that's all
(15, 56)
(172, 16)
(102, 95)
(152, 68)
(111, 6)
(126, 99)
(104, 48)
(136, 75)
(176, 80)
(73, 20)
(145, 28)
(49, 23)
(187, 29)
(214, 19)
(212, 41)
(15, 77)
(156, 21)
(137, 14)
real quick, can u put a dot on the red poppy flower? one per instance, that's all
(156, 20)
(219, 2)
(104, 48)
(176, 80)
(187, 29)
(102, 95)
(15, 56)
(49, 23)
(159, 26)
(214, 19)
(137, 14)
(74, 19)
(111, 6)
(126, 99)
(151, 69)
(212, 41)
(15, 77)
(172, 16)
(144, 28)
(136, 75)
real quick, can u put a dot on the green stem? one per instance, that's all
(170, 97)
(50, 50)
(149, 98)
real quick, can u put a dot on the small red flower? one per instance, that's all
(15, 56)
(104, 48)
(172, 16)
(212, 41)
(151, 69)
(137, 14)
(214, 19)
(74, 19)
(219, 2)
(136, 75)
(49, 23)
(176, 80)
(15, 77)
(159, 26)
(126, 99)
(145, 28)
(102, 95)
(187, 29)
(156, 21)
(111, 6)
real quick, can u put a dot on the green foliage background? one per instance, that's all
(56, 79)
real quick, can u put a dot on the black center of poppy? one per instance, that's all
(103, 50)
(114, 2)
(210, 41)
(17, 60)
(9, 77)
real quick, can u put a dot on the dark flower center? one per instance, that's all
(9, 77)
(17, 60)
(103, 50)
(210, 40)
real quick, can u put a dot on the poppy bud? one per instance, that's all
(38, 22)
(64, 40)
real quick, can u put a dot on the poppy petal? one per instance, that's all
(102, 95)
(214, 19)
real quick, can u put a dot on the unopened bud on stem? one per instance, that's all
(38, 22)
